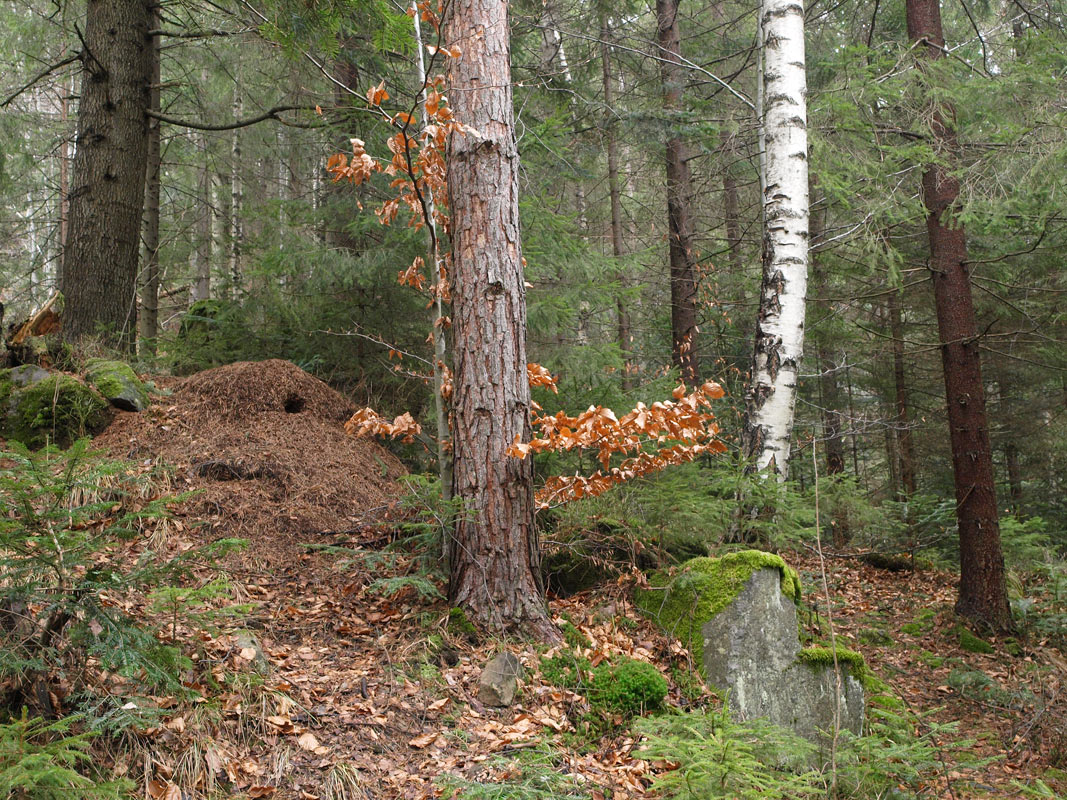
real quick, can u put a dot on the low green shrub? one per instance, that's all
(718, 757)
(70, 514)
(40, 761)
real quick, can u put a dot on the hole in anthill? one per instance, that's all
(294, 404)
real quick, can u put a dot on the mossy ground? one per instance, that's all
(684, 602)
(57, 409)
(972, 644)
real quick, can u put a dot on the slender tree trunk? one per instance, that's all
(203, 247)
(732, 219)
(107, 197)
(892, 462)
(618, 241)
(679, 230)
(1015, 477)
(64, 177)
(440, 350)
(771, 395)
(830, 397)
(983, 595)
(495, 558)
(148, 319)
(905, 445)
(236, 195)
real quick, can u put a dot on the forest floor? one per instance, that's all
(344, 691)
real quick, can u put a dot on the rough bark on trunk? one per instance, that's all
(495, 560)
(107, 195)
(201, 255)
(618, 241)
(679, 230)
(236, 195)
(830, 396)
(905, 446)
(64, 177)
(983, 595)
(148, 318)
(771, 395)
(1015, 477)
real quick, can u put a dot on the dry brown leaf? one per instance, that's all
(423, 741)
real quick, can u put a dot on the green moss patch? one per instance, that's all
(57, 409)
(627, 686)
(459, 625)
(702, 587)
(972, 644)
(850, 659)
(117, 381)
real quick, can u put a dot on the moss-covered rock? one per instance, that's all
(56, 408)
(117, 382)
(820, 657)
(702, 587)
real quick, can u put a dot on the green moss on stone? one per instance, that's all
(682, 603)
(912, 628)
(58, 409)
(6, 388)
(972, 644)
(850, 659)
(117, 381)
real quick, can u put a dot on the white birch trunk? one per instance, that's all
(779, 346)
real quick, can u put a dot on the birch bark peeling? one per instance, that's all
(771, 396)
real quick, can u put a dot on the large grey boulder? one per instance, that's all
(737, 614)
(751, 650)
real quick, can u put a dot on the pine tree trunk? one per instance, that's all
(905, 445)
(148, 319)
(1015, 477)
(679, 230)
(202, 250)
(495, 560)
(107, 196)
(771, 396)
(236, 195)
(983, 595)
(618, 241)
(64, 177)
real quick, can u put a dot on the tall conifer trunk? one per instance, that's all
(148, 318)
(618, 240)
(107, 196)
(495, 560)
(679, 230)
(905, 445)
(983, 595)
